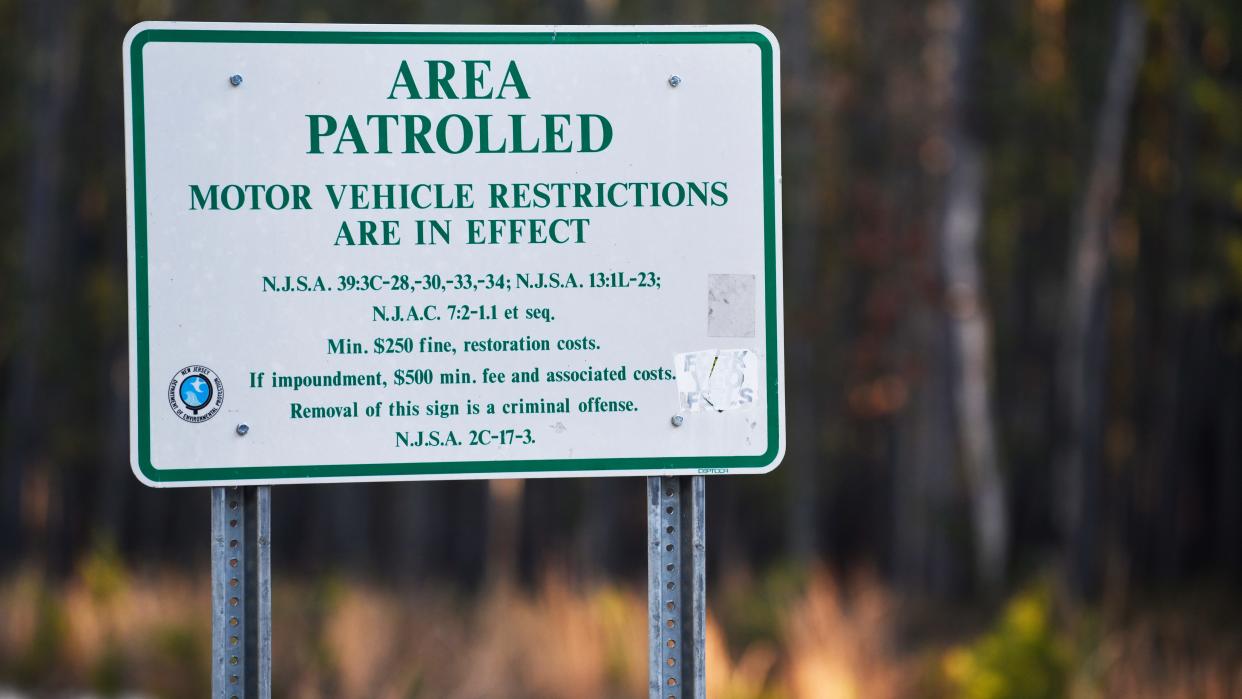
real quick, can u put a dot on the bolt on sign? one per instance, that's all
(387, 253)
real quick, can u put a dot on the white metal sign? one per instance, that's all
(405, 252)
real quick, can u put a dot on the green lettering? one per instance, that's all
(417, 127)
(404, 79)
(316, 133)
(344, 234)
(350, 133)
(198, 200)
(513, 79)
(587, 146)
(474, 80)
(555, 133)
(440, 80)
(382, 129)
(467, 134)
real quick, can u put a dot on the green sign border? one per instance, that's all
(465, 468)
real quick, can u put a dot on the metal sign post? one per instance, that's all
(241, 593)
(676, 587)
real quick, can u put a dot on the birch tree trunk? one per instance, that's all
(1080, 370)
(969, 327)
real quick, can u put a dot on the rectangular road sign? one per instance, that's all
(406, 252)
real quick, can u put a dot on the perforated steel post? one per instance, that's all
(241, 593)
(676, 587)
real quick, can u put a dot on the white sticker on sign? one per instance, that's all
(731, 305)
(717, 380)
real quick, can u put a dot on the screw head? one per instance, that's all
(243, 429)
(674, 80)
(235, 80)
(677, 420)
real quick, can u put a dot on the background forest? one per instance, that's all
(1013, 284)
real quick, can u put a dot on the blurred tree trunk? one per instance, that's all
(597, 542)
(800, 279)
(1229, 464)
(412, 509)
(726, 521)
(969, 326)
(115, 490)
(227, 11)
(923, 478)
(570, 11)
(1081, 353)
(441, 11)
(925, 483)
(1172, 397)
(504, 529)
(661, 11)
(26, 414)
(341, 524)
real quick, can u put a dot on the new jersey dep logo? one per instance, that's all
(195, 393)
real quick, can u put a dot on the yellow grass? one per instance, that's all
(106, 629)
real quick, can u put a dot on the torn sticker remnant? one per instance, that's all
(730, 305)
(717, 380)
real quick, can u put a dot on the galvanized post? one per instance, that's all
(241, 593)
(676, 587)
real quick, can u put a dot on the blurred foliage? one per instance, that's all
(39, 657)
(557, 640)
(105, 574)
(753, 610)
(1024, 657)
(183, 655)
